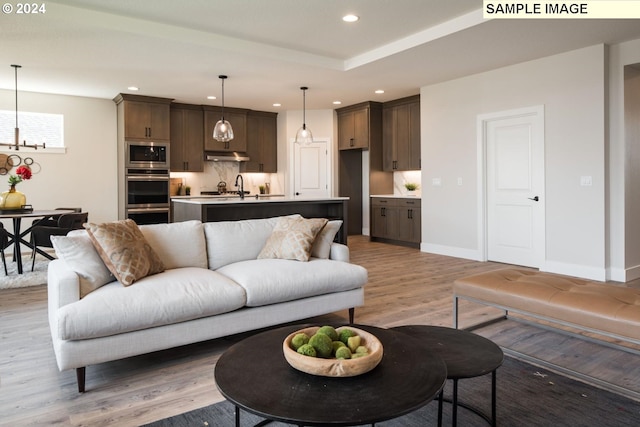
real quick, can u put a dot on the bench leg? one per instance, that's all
(455, 312)
(80, 375)
(352, 315)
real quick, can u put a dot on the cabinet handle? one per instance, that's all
(383, 212)
(351, 142)
(410, 213)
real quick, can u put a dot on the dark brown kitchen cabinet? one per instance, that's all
(356, 125)
(384, 218)
(352, 178)
(396, 220)
(401, 134)
(262, 143)
(187, 138)
(237, 117)
(409, 221)
(145, 117)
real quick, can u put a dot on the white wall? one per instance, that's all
(571, 86)
(86, 175)
(624, 183)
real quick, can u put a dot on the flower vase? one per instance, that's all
(12, 199)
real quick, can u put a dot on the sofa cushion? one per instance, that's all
(269, 281)
(124, 250)
(78, 252)
(169, 297)
(233, 241)
(322, 245)
(179, 244)
(292, 238)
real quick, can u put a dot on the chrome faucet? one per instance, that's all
(241, 189)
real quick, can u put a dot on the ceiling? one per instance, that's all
(177, 49)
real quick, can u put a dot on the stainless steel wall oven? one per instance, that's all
(147, 195)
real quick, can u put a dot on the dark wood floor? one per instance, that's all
(405, 287)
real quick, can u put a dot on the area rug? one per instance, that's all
(28, 278)
(526, 395)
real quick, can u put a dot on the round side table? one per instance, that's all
(466, 355)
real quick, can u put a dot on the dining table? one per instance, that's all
(17, 236)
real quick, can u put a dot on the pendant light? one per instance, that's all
(304, 136)
(223, 131)
(16, 142)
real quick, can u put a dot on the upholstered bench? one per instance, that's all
(609, 310)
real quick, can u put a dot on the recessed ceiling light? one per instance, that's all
(350, 18)
(337, 102)
(133, 88)
(379, 91)
(277, 104)
(211, 97)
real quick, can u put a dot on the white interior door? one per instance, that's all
(514, 143)
(311, 170)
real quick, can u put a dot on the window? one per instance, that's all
(35, 128)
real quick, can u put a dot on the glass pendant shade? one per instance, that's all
(223, 131)
(304, 136)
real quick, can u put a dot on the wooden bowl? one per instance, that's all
(334, 367)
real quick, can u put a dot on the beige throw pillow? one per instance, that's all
(124, 250)
(322, 245)
(292, 238)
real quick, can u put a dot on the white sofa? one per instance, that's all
(213, 286)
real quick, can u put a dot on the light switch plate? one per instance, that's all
(436, 182)
(586, 181)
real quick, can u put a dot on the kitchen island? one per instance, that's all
(210, 209)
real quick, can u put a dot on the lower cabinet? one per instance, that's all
(396, 219)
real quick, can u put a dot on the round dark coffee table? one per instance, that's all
(466, 355)
(254, 375)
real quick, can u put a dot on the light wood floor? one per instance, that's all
(405, 287)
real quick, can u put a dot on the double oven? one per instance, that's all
(147, 181)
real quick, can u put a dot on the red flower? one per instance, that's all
(24, 172)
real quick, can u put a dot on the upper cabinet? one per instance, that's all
(355, 125)
(237, 117)
(261, 142)
(401, 134)
(145, 117)
(187, 138)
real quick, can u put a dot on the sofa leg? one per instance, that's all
(352, 315)
(80, 375)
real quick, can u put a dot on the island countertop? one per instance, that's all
(217, 200)
(208, 209)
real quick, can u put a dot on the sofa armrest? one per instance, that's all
(339, 252)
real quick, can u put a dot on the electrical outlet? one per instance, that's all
(436, 182)
(586, 181)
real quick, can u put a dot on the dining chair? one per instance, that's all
(41, 234)
(4, 242)
(53, 222)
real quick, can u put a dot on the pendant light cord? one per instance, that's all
(16, 85)
(223, 79)
(304, 107)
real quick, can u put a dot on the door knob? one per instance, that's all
(297, 194)
(535, 199)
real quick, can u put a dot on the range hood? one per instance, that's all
(226, 156)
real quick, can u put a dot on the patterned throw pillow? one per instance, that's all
(292, 238)
(322, 245)
(124, 250)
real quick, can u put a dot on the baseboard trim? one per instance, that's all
(452, 251)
